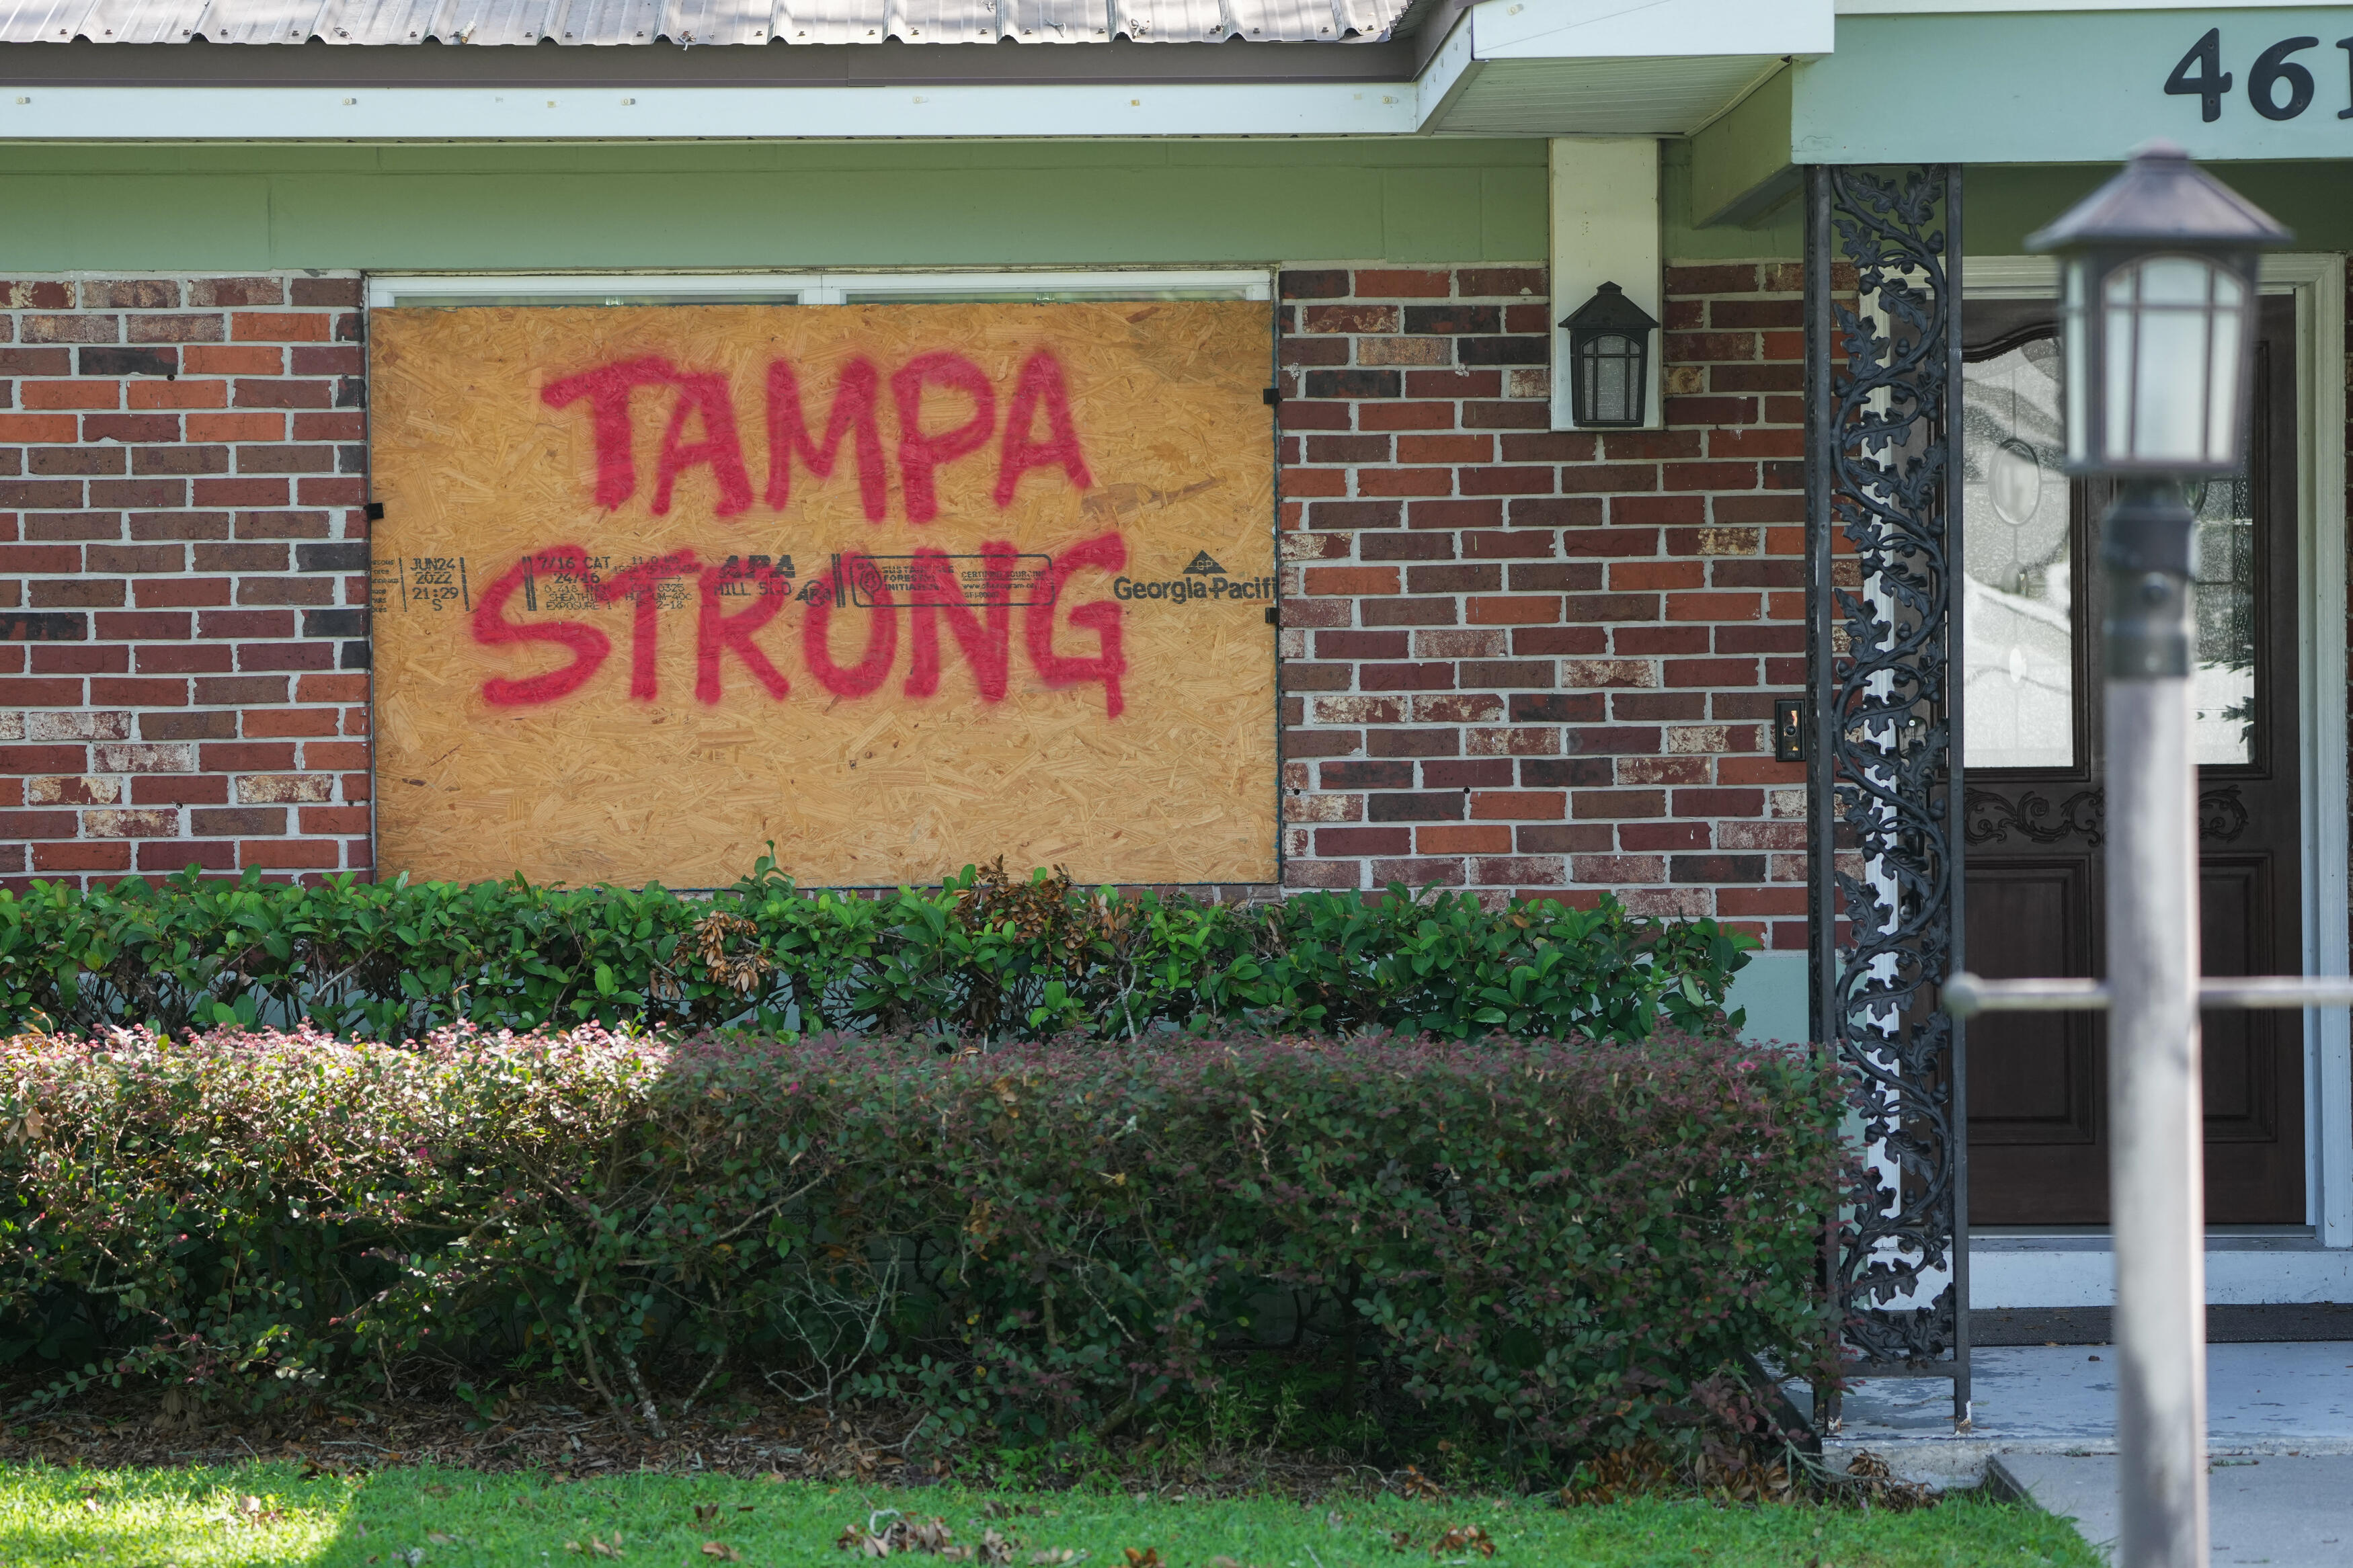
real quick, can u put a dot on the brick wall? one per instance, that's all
(1516, 661)
(1525, 661)
(183, 576)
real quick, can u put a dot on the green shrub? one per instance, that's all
(984, 956)
(1547, 1243)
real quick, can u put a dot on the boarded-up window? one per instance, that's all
(896, 586)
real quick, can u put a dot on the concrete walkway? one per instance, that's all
(2280, 1425)
(2288, 1512)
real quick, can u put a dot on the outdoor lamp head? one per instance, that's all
(2158, 317)
(1608, 353)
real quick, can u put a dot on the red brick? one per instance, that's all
(1515, 871)
(42, 294)
(32, 558)
(1712, 606)
(177, 395)
(1462, 838)
(1604, 478)
(1502, 480)
(1315, 482)
(289, 852)
(1757, 443)
(82, 856)
(1513, 610)
(1364, 840)
(38, 427)
(1348, 318)
(1444, 449)
(74, 329)
(1721, 279)
(1487, 282)
(242, 359)
(225, 292)
(1454, 383)
(241, 493)
(1404, 416)
(1755, 377)
(106, 394)
(241, 427)
(1514, 805)
(1380, 283)
(1784, 312)
(1352, 580)
(279, 327)
(1550, 447)
(1688, 673)
(1670, 574)
(1405, 481)
(1686, 412)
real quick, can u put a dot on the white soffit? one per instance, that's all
(1612, 68)
(1600, 98)
(1599, 29)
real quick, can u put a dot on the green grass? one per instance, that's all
(197, 1518)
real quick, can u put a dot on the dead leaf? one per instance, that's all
(1414, 1483)
(865, 1542)
(704, 1512)
(724, 1552)
(1465, 1538)
(1147, 1558)
(435, 1537)
(991, 1548)
(437, 1489)
(1056, 1557)
(1400, 1541)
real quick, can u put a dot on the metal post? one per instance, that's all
(2156, 1137)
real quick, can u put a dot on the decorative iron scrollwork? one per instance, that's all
(1991, 817)
(2222, 815)
(1883, 283)
(2082, 817)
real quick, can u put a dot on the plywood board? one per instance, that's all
(626, 631)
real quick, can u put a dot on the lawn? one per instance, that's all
(251, 1515)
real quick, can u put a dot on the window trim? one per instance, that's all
(386, 291)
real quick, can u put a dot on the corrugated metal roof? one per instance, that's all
(694, 22)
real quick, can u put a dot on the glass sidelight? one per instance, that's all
(2019, 560)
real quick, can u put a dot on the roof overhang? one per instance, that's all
(1497, 67)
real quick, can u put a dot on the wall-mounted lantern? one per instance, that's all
(1609, 358)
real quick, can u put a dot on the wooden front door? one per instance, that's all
(2034, 806)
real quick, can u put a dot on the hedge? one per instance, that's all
(985, 956)
(1550, 1244)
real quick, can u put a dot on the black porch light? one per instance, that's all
(1609, 358)
(2158, 315)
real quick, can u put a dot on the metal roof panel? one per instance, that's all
(746, 23)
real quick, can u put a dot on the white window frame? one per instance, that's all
(389, 290)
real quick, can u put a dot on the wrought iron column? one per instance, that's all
(1884, 643)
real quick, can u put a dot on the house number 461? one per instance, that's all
(2278, 85)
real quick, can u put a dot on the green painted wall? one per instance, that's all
(2007, 202)
(1779, 234)
(800, 204)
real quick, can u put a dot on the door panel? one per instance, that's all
(2035, 824)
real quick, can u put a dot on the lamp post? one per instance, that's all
(2158, 317)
